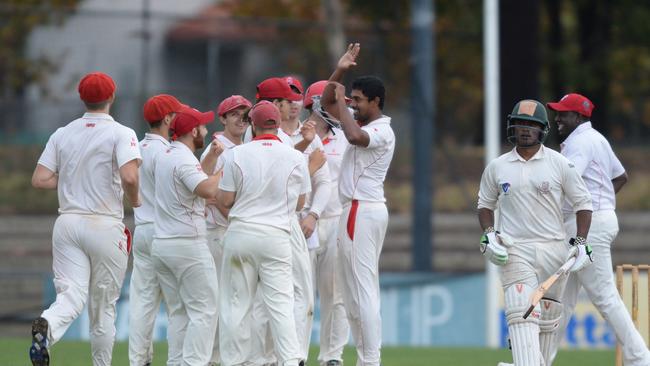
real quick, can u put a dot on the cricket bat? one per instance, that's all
(536, 296)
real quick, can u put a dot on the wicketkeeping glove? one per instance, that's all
(582, 251)
(492, 248)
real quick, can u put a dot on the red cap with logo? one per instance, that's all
(276, 88)
(317, 89)
(158, 106)
(232, 102)
(188, 118)
(314, 89)
(265, 115)
(573, 103)
(96, 87)
(295, 82)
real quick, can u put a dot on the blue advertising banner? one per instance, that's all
(417, 310)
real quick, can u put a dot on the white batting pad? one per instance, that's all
(549, 320)
(524, 333)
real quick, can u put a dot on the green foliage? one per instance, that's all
(17, 19)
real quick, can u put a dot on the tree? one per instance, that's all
(17, 19)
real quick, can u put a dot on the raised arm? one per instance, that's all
(209, 162)
(346, 62)
(333, 100)
(209, 187)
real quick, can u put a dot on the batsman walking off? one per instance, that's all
(604, 176)
(364, 215)
(92, 162)
(529, 185)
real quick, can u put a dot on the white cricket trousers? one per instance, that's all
(90, 255)
(334, 328)
(529, 264)
(256, 257)
(215, 244)
(188, 279)
(303, 305)
(144, 298)
(362, 229)
(598, 281)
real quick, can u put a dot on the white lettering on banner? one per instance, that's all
(429, 293)
(423, 316)
(415, 317)
(389, 300)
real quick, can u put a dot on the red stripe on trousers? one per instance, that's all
(128, 239)
(352, 218)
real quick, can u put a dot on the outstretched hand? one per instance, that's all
(349, 57)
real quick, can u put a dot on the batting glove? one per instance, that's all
(582, 251)
(491, 247)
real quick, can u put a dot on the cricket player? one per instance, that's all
(304, 231)
(604, 176)
(92, 162)
(264, 183)
(181, 258)
(364, 217)
(144, 293)
(334, 328)
(279, 92)
(296, 107)
(231, 111)
(529, 185)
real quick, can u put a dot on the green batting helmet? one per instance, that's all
(528, 110)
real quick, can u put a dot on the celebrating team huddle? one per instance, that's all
(236, 243)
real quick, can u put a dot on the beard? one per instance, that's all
(199, 141)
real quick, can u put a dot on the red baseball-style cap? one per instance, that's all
(265, 115)
(295, 82)
(276, 88)
(187, 118)
(314, 89)
(573, 103)
(232, 102)
(96, 87)
(158, 106)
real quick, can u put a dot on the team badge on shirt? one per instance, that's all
(544, 188)
(505, 187)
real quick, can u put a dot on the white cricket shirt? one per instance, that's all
(150, 146)
(214, 218)
(320, 193)
(180, 213)
(596, 162)
(529, 194)
(87, 155)
(286, 139)
(334, 145)
(364, 169)
(267, 176)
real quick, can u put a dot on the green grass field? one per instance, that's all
(13, 352)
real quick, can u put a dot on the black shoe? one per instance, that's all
(38, 351)
(301, 363)
(333, 363)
